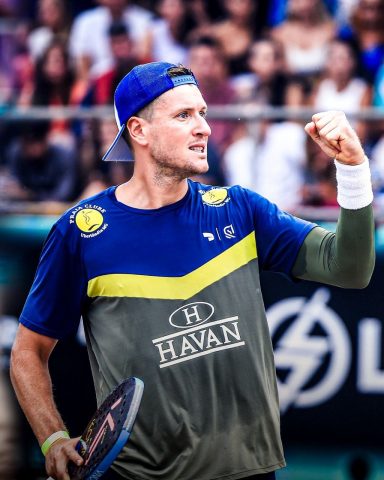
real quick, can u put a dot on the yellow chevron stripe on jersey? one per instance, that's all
(175, 288)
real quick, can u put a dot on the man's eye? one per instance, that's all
(183, 115)
(203, 113)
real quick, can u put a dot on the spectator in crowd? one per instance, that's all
(53, 79)
(7, 54)
(244, 23)
(366, 30)
(377, 163)
(207, 61)
(272, 163)
(53, 85)
(277, 10)
(339, 88)
(89, 41)
(305, 34)
(40, 171)
(377, 154)
(204, 12)
(7, 9)
(265, 84)
(124, 59)
(166, 40)
(53, 23)
(96, 175)
(21, 71)
(5, 89)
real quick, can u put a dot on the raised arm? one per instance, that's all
(32, 383)
(345, 258)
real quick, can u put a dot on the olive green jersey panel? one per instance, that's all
(345, 259)
(221, 419)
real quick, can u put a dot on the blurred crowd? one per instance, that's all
(319, 54)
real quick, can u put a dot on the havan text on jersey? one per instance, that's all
(196, 336)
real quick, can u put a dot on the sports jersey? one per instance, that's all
(173, 296)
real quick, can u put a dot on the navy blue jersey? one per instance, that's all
(172, 295)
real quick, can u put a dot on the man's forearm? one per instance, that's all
(345, 258)
(32, 383)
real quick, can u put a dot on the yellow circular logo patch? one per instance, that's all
(216, 196)
(89, 220)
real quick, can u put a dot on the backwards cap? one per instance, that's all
(137, 89)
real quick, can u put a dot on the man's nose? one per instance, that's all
(202, 127)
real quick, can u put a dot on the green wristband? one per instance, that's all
(52, 439)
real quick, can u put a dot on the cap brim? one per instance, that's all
(119, 151)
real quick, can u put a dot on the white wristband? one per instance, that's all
(354, 187)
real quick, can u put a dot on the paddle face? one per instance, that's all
(108, 430)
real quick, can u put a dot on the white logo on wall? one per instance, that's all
(315, 339)
(195, 336)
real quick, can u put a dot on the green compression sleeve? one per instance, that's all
(345, 258)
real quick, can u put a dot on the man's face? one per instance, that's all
(116, 7)
(340, 61)
(263, 60)
(302, 8)
(34, 149)
(121, 47)
(206, 64)
(370, 13)
(178, 133)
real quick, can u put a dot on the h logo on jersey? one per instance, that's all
(191, 314)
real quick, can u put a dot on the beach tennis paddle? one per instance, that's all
(108, 430)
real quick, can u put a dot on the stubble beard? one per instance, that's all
(168, 168)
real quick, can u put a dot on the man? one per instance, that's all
(165, 273)
(39, 169)
(89, 42)
(124, 59)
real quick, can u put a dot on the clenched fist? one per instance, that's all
(335, 136)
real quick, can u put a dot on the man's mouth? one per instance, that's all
(199, 149)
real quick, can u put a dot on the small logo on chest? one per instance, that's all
(228, 232)
(216, 197)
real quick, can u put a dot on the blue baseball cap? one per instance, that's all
(137, 89)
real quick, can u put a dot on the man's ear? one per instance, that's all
(137, 128)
